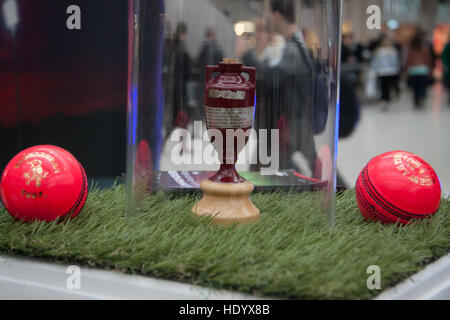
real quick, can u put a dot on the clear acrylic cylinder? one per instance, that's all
(295, 48)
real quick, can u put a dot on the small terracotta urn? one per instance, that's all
(229, 107)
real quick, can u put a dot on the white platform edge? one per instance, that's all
(432, 283)
(25, 278)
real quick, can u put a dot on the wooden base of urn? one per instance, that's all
(227, 202)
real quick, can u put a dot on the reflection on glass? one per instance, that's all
(294, 46)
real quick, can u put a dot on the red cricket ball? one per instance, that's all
(398, 186)
(43, 183)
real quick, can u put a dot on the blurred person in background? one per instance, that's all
(295, 95)
(168, 71)
(182, 74)
(352, 52)
(375, 43)
(349, 106)
(429, 45)
(299, 91)
(386, 63)
(267, 52)
(419, 67)
(446, 66)
(268, 47)
(210, 54)
(349, 110)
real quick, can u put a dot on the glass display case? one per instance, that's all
(294, 46)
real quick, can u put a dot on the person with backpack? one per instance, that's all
(299, 91)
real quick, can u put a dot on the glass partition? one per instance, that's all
(294, 46)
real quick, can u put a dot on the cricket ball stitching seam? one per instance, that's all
(418, 215)
(368, 206)
(386, 205)
(370, 192)
(80, 197)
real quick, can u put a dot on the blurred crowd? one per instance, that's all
(183, 76)
(389, 63)
(293, 78)
(378, 68)
(292, 82)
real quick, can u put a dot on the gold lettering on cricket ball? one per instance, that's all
(36, 173)
(41, 155)
(414, 170)
(32, 195)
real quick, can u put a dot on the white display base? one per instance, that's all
(24, 278)
(432, 283)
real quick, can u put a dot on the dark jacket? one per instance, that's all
(211, 54)
(301, 93)
(446, 64)
(182, 67)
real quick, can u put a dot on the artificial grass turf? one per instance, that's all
(289, 253)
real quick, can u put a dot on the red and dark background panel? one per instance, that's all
(72, 83)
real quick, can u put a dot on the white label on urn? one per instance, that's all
(233, 118)
(227, 94)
